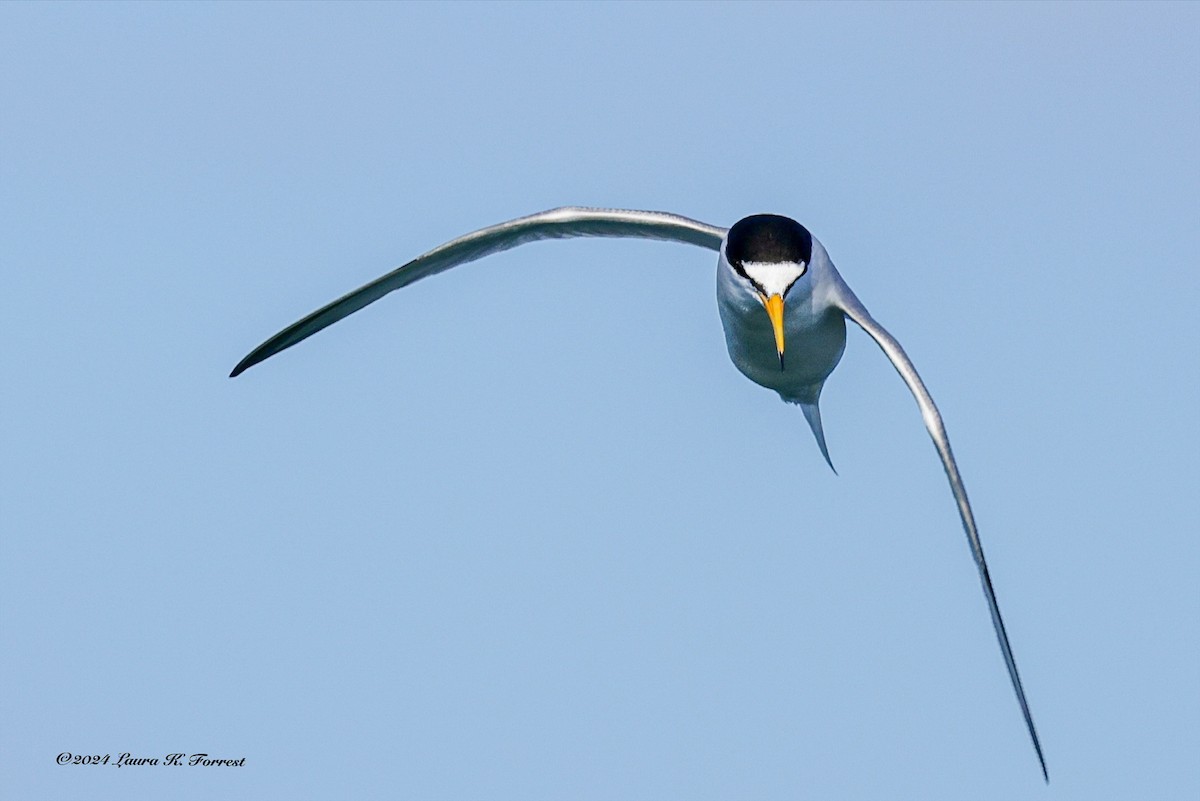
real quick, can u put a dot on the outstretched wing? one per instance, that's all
(554, 224)
(853, 308)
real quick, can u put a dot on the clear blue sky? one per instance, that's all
(522, 531)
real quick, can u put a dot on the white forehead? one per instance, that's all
(774, 276)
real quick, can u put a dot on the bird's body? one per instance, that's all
(782, 303)
(815, 332)
(768, 256)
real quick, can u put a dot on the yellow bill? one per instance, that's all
(774, 306)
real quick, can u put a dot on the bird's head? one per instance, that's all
(768, 254)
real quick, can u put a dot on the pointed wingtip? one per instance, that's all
(244, 365)
(266, 350)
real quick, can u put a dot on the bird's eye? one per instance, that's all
(741, 271)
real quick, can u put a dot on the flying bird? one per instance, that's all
(782, 303)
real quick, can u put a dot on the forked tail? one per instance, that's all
(812, 413)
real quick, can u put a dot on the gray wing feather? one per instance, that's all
(844, 298)
(558, 223)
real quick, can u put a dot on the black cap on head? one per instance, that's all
(767, 238)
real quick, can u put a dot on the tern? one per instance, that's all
(782, 303)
